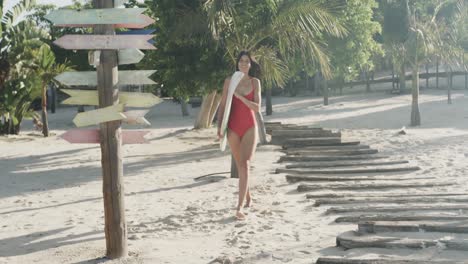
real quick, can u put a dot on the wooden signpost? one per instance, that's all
(107, 51)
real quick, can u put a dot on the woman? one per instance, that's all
(242, 130)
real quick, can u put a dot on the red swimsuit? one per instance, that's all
(241, 118)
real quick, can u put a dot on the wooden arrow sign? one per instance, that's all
(136, 117)
(91, 136)
(146, 22)
(130, 56)
(104, 42)
(102, 115)
(97, 16)
(85, 97)
(89, 78)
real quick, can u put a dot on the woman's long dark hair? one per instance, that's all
(254, 66)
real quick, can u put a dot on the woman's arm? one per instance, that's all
(222, 105)
(257, 103)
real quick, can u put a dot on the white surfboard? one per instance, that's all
(235, 79)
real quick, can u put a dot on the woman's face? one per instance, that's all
(244, 64)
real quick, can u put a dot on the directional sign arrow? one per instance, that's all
(104, 42)
(91, 136)
(102, 115)
(97, 16)
(130, 56)
(89, 78)
(84, 97)
(138, 32)
(136, 117)
(146, 21)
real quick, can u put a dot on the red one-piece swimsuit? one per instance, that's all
(241, 118)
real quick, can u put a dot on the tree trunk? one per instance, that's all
(437, 73)
(307, 81)
(184, 107)
(45, 125)
(415, 115)
(366, 75)
(54, 99)
(393, 78)
(402, 78)
(261, 128)
(214, 108)
(449, 84)
(317, 84)
(205, 110)
(341, 85)
(234, 172)
(466, 71)
(269, 103)
(325, 92)
(427, 76)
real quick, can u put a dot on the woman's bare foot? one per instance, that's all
(240, 216)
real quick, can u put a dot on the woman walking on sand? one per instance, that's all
(242, 129)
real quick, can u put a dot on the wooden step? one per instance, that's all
(381, 261)
(394, 209)
(350, 170)
(393, 200)
(330, 158)
(352, 239)
(335, 178)
(372, 186)
(331, 152)
(337, 147)
(397, 226)
(301, 133)
(324, 141)
(342, 195)
(343, 164)
(389, 217)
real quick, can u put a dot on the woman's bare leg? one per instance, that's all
(247, 148)
(235, 144)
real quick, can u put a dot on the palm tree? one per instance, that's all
(18, 44)
(286, 28)
(47, 69)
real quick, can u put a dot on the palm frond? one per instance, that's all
(274, 70)
(220, 14)
(12, 15)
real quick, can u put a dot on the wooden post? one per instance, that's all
(111, 142)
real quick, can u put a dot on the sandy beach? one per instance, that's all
(51, 206)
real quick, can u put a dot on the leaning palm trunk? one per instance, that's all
(402, 78)
(214, 108)
(261, 128)
(45, 125)
(202, 120)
